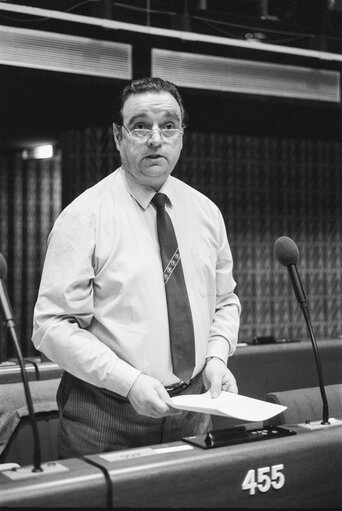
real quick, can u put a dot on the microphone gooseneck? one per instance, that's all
(3, 267)
(287, 253)
(9, 322)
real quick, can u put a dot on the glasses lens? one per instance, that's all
(171, 133)
(140, 133)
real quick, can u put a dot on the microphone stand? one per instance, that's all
(11, 328)
(294, 275)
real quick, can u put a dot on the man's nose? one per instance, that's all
(155, 137)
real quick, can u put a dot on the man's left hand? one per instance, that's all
(217, 377)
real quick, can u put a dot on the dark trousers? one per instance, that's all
(95, 420)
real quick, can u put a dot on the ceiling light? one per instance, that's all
(37, 152)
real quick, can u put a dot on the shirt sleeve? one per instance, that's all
(65, 308)
(224, 330)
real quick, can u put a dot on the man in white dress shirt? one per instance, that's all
(101, 312)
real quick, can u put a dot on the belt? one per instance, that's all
(173, 390)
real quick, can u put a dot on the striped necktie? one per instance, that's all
(179, 312)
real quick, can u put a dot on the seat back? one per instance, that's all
(20, 447)
(306, 404)
(16, 436)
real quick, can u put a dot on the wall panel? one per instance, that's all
(30, 200)
(265, 187)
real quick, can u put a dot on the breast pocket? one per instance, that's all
(204, 261)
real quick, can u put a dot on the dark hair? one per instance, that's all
(151, 84)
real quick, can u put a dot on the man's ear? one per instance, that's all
(117, 136)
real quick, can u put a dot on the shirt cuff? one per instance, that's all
(218, 347)
(122, 377)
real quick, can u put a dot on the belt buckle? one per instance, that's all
(180, 386)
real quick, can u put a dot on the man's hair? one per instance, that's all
(142, 85)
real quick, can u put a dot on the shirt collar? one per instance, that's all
(168, 189)
(144, 194)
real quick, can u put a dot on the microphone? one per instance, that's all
(287, 253)
(7, 313)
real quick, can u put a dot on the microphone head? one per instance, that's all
(286, 251)
(3, 267)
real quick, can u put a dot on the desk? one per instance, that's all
(312, 468)
(260, 369)
(80, 485)
(10, 372)
(307, 472)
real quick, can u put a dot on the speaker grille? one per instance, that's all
(64, 53)
(246, 76)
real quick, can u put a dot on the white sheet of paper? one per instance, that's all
(228, 405)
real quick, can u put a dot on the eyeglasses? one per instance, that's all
(146, 133)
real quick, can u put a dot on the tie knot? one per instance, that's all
(159, 200)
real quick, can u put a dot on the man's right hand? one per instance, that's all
(148, 397)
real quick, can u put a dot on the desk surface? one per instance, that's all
(279, 347)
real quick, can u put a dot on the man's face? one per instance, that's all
(149, 161)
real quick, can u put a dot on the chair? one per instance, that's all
(306, 404)
(16, 437)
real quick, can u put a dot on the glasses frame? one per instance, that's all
(179, 131)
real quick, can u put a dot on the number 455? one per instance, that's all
(264, 478)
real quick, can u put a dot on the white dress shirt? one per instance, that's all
(101, 312)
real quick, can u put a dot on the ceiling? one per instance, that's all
(39, 106)
(300, 23)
